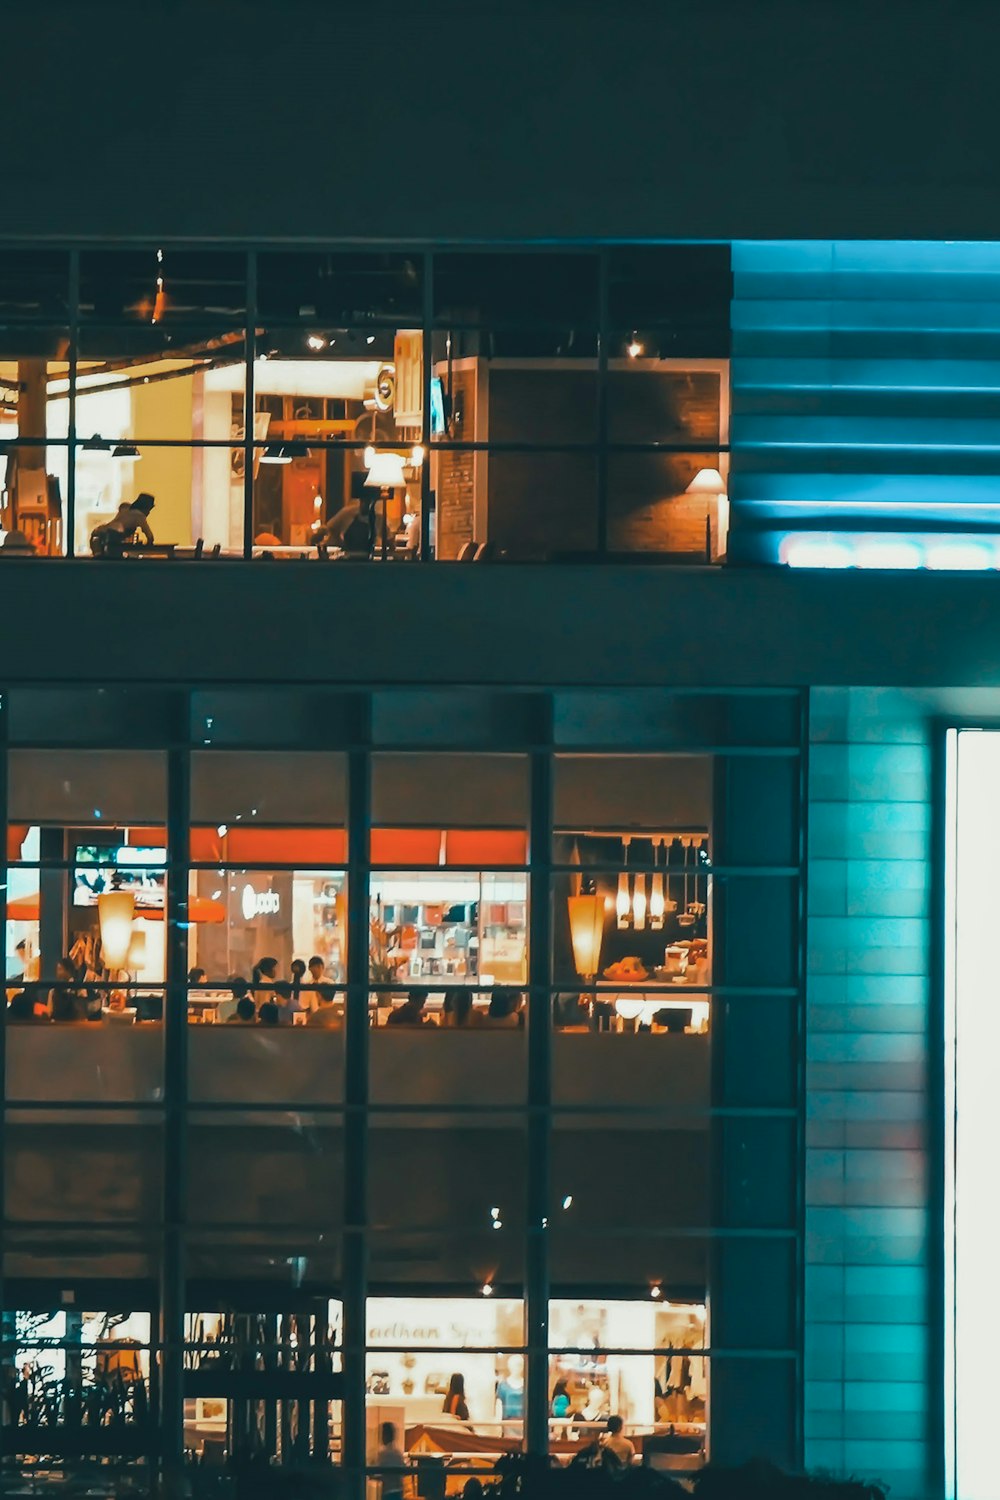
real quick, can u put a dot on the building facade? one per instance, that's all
(498, 865)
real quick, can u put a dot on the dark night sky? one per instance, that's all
(557, 117)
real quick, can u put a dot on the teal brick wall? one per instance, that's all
(868, 1292)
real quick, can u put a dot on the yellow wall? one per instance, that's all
(164, 410)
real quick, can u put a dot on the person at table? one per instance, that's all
(196, 977)
(504, 1009)
(455, 1404)
(24, 1009)
(391, 1460)
(245, 1013)
(67, 1000)
(297, 978)
(265, 973)
(617, 1444)
(327, 1012)
(283, 998)
(354, 528)
(238, 990)
(317, 970)
(269, 1014)
(411, 1013)
(109, 539)
(457, 1009)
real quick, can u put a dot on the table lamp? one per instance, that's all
(711, 482)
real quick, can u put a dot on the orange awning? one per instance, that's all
(309, 848)
(482, 848)
(200, 909)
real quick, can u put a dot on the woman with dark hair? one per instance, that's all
(455, 1403)
(457, 1007)
(265, 973)
(298, 974)
(109, 539)
(504, 1009)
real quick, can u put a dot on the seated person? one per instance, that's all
(21, 1009)
(269, 1014)
(327, 1012)
(245, 1013)
(68, 1001)
(238, 989)
(284, 999)
(411, 1013)
(356, 528)
(109, 539)
(504, 1009)
(457, 1009)
(617, 1444)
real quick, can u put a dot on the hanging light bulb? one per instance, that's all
(639, 903)
(623, 905)
(657, 902)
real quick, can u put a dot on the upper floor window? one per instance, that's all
(516, 403)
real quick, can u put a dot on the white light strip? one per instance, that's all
(948, 1226)
(972, 1046)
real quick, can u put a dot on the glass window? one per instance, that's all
(160, 393)
(640, 1361)
(449, 888)
(267, 892)
(632, 912)
(338, 403)
(263, 1167)
(34, 397)
(514, 391)
(448, 1373)
(81, 1167)
(294, 1414)
(87, 893)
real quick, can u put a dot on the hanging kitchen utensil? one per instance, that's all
(686, 919)
(669, 904)
(697, 907)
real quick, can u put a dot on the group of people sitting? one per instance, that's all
(506, 1009)
(262, 1000)
(76, 995)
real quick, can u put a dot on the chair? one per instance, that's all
(467, 552)
(199, 546)
(486, 552)
(216, 550)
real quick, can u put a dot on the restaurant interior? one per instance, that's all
(357, 405)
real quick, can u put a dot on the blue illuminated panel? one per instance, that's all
(866, 403)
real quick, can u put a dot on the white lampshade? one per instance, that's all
(386, 472)
(630, 1007)
(707, 482)
(115, 910)
(136, 960)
